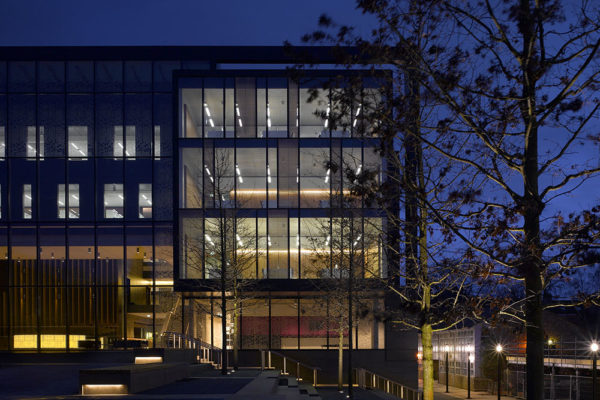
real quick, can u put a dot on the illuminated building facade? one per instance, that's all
(121, 171)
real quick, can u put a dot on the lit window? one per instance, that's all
(27, 201)
(78, 146)
(157, 141)
(145, 200)
(31, 142)
(72, 200)
(113, 200)
(127, 145)
(2, 143)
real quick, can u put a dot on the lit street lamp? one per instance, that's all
(471, 358)
(594, 349)
(499, 354)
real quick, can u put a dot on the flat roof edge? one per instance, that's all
(213, 54)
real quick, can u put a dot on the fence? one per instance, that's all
(556, 387)
(370, 380)
(302, 372)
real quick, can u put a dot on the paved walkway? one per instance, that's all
(457, 393)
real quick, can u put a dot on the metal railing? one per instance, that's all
(205, 352)
(270, 359)
(370, 380)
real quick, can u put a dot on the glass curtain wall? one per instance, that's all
(86, 257)
(264, 174)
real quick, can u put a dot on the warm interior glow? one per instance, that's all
(24, 341)
(104, 389)
(158, 283)
(148, 360)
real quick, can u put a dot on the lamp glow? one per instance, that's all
(499, 348)
(594, 347)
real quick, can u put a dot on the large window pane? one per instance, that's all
(138, 120)
(80, 122)
(109, 124)
(22, 128)
(284, 323)
(145, 200)
(114, 200)
(51, 120)
(245, 107)
(277, 108)
(51, 76)
(214, 126)
(191, 171)
(277, 244)
(251, 177)
(80, 76)
(68, 201)
(314, 113)
(109, 76)
(193, 110)
(315, 177)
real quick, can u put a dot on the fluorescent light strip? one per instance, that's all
(268, 174)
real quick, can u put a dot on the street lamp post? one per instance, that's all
(447, 369)
(499, 353)
(471, 358)
(594, 349)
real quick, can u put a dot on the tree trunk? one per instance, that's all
(340, 384)
(235, 335)
(427, 360)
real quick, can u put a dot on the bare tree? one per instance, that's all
(517, 87)
(223, 249)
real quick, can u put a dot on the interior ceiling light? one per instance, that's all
(268, 174)
(237, 170)
(327, 117)
(327, 175)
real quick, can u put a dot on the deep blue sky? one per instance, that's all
(166, 22)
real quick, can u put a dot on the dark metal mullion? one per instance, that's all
(126, 287)
(34, 211)
(153, 158)
(96, 263)
(8, 215)
(67, 258)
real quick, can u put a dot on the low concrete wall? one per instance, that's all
(99, 356)
(131, 378)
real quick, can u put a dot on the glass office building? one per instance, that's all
(129, 176)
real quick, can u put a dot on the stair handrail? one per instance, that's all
(390, 386)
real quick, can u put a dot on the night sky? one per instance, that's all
(217, 22)
(166, 22)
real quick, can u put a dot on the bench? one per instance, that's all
(129, 378)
